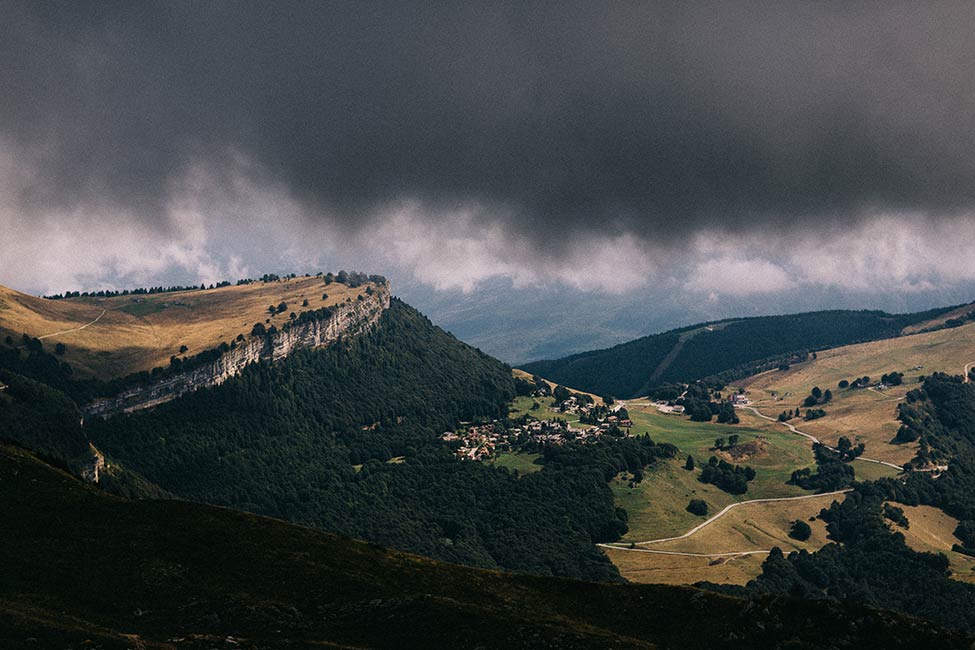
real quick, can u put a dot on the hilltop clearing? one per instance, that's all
(114, 336)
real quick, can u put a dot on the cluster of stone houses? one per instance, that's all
(667, 407)
(574, 406)
(571, 405)
(479, 442)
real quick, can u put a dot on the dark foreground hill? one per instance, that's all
(83, 569)
(728, 349)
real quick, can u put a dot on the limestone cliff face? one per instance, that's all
(347, 320)
(93, 465)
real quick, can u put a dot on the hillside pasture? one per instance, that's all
(746, 528)
(863, 415)
(933, 531)
(782, 452)
(111, 337)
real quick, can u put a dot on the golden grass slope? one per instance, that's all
(748, 527)
(517, 373)
(932, 531)
(864, 415)
(110, 337)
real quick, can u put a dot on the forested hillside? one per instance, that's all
(737, 348)
(347, 439)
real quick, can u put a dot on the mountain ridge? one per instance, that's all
(741, 346)
(344, 320)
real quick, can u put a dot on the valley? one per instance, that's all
(663, 336)
(657, 505)
(363, 419)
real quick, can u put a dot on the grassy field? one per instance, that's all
(522, 405)
(931, 530)
(523, 463)
(783, 451)
(866, 416)
(657, 506)
(650, 568)
(750, 527)
(127, 334)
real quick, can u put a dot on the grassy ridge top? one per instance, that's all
(118, 335)
(81, 565)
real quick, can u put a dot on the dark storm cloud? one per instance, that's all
(657, 119)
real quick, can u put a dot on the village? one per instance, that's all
(483, 441)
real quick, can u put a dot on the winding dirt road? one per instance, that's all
(724, 511)
(648, 550)
(796, 431)
(76, 329)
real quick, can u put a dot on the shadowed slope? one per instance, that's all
(81, 565)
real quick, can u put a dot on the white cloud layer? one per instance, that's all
(240, 223)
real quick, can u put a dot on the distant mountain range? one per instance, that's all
(728, 349)
(524, 324)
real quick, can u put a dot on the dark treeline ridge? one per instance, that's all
(308, 439)
(737, 349)
(866, 561)
(142, 291)
(352, 278)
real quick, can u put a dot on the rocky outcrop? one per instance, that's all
(93, 465)
(347, 319)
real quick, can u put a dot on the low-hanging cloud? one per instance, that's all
(827, 144)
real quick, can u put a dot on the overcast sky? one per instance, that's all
(727, 151)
